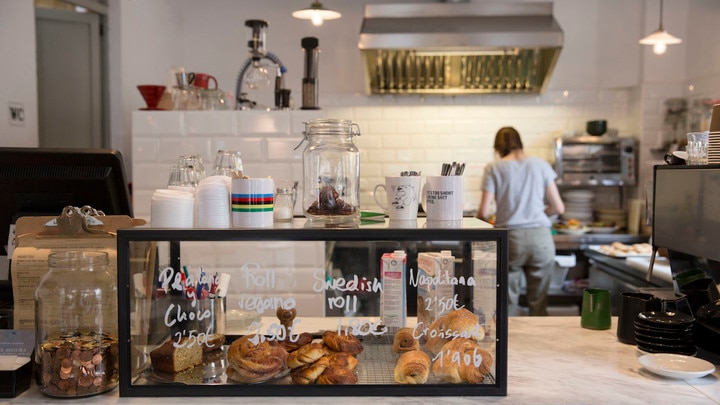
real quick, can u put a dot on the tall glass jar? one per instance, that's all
(76, 325)
(331, 171)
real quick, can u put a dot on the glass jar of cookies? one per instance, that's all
(331, 171)
(76, 325)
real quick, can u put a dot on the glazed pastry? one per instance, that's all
(305, 355)
(342, 342)
(308, 374)
(301, 340)
(335, 375)
(404, 341)
(455, 324)
(472, 372)
(413, 367)
(256, 362)
(342, 360)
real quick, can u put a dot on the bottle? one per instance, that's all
(393, 301)
(76, 325)
(331, 171)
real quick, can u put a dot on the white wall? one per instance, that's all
(18, 70)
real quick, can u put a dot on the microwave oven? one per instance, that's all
(596, 160)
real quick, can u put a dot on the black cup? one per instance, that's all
(596, 127)
(631, 304)
(700, 292)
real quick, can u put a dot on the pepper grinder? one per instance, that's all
(310, 81)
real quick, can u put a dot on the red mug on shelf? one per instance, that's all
(202, 80)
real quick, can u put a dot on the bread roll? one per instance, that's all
(455, 324)
(342, 360)
(300, 340)
(308, 374)
(404, 341)
(342, 342)
(413, 367)
(336, 375)
(256, 362)
(305, 355)
(471, 366)
(172, 358)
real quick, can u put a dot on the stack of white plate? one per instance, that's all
(213, 202)
(172, 209)
(612, 216)
(578, 205)
(714, 147)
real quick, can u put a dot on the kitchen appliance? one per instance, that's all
(253, 73)
(596, 160)
(310, 79)
(459, 47)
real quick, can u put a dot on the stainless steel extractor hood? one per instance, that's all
(459, 47)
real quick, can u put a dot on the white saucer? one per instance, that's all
(676, 366)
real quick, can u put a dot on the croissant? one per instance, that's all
(256, 362)
(342, 342)
(468, 369)
(405, 341)
(455, 324)
(413, 367)
(305, 355)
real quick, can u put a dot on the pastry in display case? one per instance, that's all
(255, 312)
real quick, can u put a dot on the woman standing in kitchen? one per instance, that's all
(520, 185)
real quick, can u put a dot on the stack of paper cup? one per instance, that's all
(172, 209)
(213, 202)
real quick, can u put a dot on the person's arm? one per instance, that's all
(556, 205)
(485, 202)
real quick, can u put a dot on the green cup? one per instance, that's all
(689, 275)
(595, 312)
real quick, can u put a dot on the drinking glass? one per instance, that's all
(697, 148)
(228, 163)
(195, 164)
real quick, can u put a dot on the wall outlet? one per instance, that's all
(16, 114)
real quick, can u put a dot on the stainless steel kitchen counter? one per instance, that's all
(581, 242)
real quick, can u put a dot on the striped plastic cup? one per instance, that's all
(252, 203)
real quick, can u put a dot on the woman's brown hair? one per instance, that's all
(507, 140)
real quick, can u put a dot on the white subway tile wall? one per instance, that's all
(398, 133)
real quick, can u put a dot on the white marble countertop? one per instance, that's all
(551, 360)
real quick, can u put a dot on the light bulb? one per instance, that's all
(317, 19)
(659, 48)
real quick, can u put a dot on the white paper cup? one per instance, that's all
(252, 203)
(403, 194)
(442, 198)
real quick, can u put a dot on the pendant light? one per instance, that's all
(316, 13)
(660, 39)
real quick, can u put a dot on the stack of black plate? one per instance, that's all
(665, 332)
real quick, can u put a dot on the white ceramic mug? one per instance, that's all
(252, 203)
(403, 193)
(442, 198)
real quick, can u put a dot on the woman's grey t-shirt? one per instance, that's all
(519, 187)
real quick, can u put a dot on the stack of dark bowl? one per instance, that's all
(665, 332)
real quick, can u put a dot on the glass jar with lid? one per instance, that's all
(76, 325)
(331, 171)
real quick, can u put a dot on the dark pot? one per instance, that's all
(596, 127)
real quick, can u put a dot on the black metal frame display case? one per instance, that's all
(268, 266)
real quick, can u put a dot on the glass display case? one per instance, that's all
(299, 309)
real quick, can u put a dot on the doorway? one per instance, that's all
(72, 107)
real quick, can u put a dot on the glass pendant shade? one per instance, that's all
(660, 39)
(316, 13)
